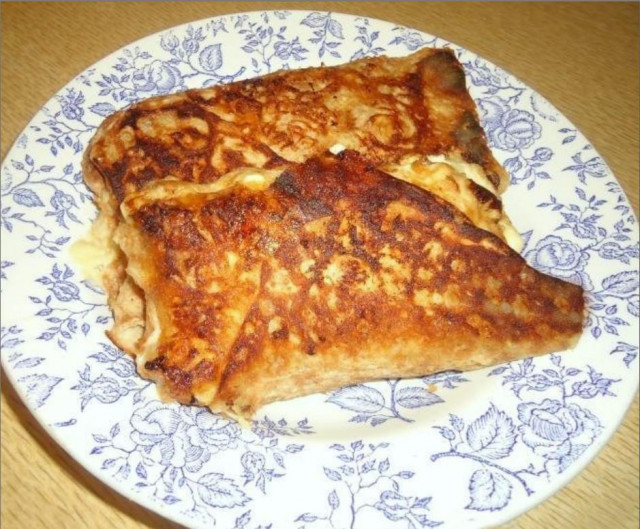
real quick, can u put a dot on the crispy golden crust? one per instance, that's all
(382, 107)
(332, 274)
(388, 109)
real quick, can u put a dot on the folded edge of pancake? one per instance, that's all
(105, 263)
(383, 107)
(328, 274)
(200, 135)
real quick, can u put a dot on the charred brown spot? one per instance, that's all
(275, 161)
(164, 222)
(313, 208)
(146, 175)
(150, 220)
(161, 155)
(233, 159)
(494, 178)
(280, 334)
(286, 183)
(485, 196)
(470, 135)
(191, 109)
(204, 371)
(114, 176)
(413, 82)
(130, 118)
(445, 72)
(179, 379)
(157, 363)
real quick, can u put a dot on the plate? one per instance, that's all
(451, 450)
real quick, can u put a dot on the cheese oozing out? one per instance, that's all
(449, 178)
(95, 252)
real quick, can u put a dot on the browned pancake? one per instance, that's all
(412, 115)
(327, 274)
(382, 107)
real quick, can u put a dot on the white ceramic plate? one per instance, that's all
(483, 448)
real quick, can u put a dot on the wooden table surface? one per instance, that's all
(582, 57)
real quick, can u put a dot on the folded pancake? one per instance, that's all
(481, 206)
(277, 284)
(382, 107)
(391, 110)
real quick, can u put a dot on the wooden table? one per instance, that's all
(582, 57)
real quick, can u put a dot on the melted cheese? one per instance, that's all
(337, 148)
(151, 336)
(448, 178)
(511, 235)
(254, 179)
(471, 170)
(95, 252)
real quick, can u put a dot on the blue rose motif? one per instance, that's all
(71, 104)
(482, 75)
(285, 50)
(123, 367)
(543, 154)
(182, 437)
(510, 129)
(169, 42)
(154, 424)
(65, 291)
(394, 506)
(190, 45)
(560, 258)
(595, 167)
(158, 76)
(107, 390)
(161, 432)
(62, 208)
(585, 230)
(558, 432)
(513, 165)
(263, 429)
(62, 202)
(413, 40)
(210, 432)
(516, 130)
(218, 25)
(252, 462)
(492, 111)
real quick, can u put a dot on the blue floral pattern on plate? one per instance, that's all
(411, 453)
